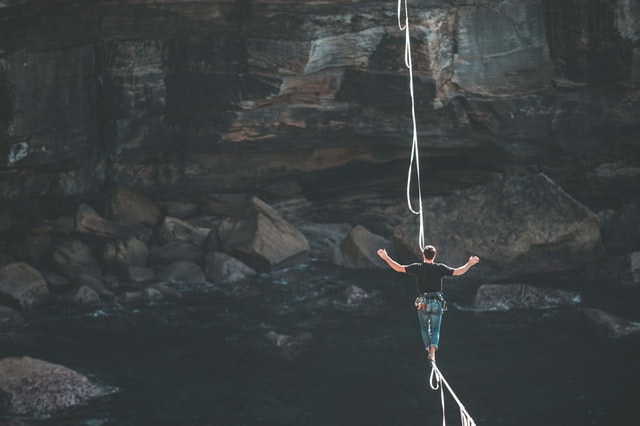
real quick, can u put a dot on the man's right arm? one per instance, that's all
(392, 263)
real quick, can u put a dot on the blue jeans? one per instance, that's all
(430, 319)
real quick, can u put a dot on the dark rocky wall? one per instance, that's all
(185, 97)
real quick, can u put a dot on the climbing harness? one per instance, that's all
(415, 155)
(421, 301)
(436, 379)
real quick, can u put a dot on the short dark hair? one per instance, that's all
(429, 252)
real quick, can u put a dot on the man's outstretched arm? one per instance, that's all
(392, 263)
(464, 268)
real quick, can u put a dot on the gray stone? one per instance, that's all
(262, 238)
(75, 256)
(85, 296)
(118, 255)
(182, 271)
(23, 286)
(325, 240)
(222, 268)
(36, 387)
(518, 225)
(128, 206)
(174, 229)
(173, 251)
(611, 326)
(499, 297)
(360, 247)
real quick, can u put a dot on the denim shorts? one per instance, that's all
(430, 319)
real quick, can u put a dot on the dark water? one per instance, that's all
(204, 361)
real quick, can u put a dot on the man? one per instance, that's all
(430, 302)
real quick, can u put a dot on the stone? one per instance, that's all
(139, 274)
(220, 267)
(174, 229)
(22, 286)
(75, 256)
(260, 237)
(290, 346)
(10, 319)
(611, 326)
(499, 297)
(359, 249)
(182, 271)
(85, 296)
(180, 209)
(325, 240)
(89, 222)
(118, 255)
(128, 206)
(34, 387)
(516, 226)
(87, 280)
(173, 251)
(355, 295)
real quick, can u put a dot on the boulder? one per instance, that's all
(85, 296)
(178, 208)
(516, 226)
(259, 236)
(75, 256)
(22, 286)
(502, 297)
(91, 223)
(35, 387)
(325, 240)
(174, 229)
(289, 346)
(610, 325)
(137, 274)
(182, 271)
(359, 249)
(173, 251)
(118, 255)
(128, 206)
(10, 319)
(93, 282)
(220, 267)
(355, 295)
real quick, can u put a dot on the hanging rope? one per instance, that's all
(436, 380)
(415, 155)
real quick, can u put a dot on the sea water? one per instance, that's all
(204, 360)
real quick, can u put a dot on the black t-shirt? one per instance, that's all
(429, 275)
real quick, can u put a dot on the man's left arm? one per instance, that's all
(464, 268)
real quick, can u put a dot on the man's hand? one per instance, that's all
(473, 260)
(383, 253)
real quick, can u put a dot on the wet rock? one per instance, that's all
(35, 387)
(220, 267)
(85, 296)
(73, 257)
(182, 271)
(259, 236)
(128, 206)
(138, 274)
(173, 251)
(10, 319)
(167, 290)
(610, 325)
(224, 204)
(95, 283)
(516, 225)
(498, 297)
(355, 295)
(178, 208)
(360, 247)
(56, 282)
(289, 346)
(325, 240)
(89, 222)
(151, 295)
(130, 297)
(174, 229)
(22, 286)
(118, 255)
(34, 249)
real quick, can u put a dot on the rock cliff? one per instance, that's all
(180, 99)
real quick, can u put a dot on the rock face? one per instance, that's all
(34, 387)
(519, 225)
(191, 97)
(22, 285)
